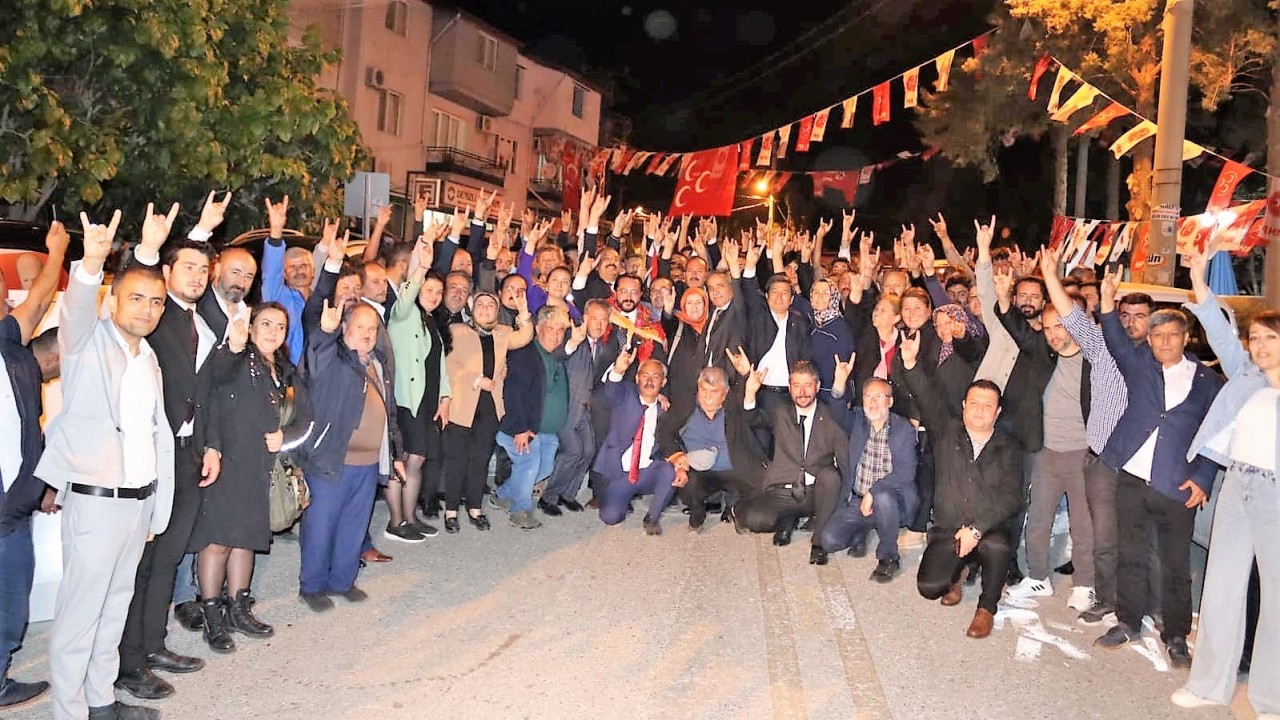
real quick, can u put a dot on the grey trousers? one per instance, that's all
(1244, 524)
(1100, 489)
(1057, 473)
(102, 542)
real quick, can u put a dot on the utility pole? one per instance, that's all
(1082, 176)
(1171, 130)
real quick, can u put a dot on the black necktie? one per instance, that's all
(195, 359)
(804, 444)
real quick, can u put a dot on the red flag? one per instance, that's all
(845, 183)
(880, 104)
(653, 166)
(1141, 246)
(744, 155)
(571, 177)
(707, 183)
(1230, 177)
(1233, 236)
(1042, 66)
(980, 44)
(805, 132)
(1102, 119)
(779, 180)
(1058, 231)
(820, 125)
(598, 165)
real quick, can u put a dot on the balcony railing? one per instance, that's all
(447, 159)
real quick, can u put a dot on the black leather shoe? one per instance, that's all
(170, 661)
(451, 525)
(549, 508)
(697, 521)
(1066, 568)
(121, 711)
(817, 556)
(886, 570)
(188, 615)
(14, 693)
(144, 684)
(355, 594)
(481, 521)
(782, 538)
(738, 525)
(1179, 655)
(858, 549)
(727, 515)
(571, 505)
(318, 602)
(652, 527)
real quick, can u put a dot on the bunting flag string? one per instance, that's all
(812, 127)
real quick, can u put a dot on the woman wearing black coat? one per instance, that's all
(234, 520)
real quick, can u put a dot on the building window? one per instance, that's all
(398, 17)
(519, 81)
(579, 101)
(389, 108)
(448, 132)
(487, 52)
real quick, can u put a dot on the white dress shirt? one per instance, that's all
(1177, 386)
(647, 440)
(137, 405)
(10, 430)
(206, 341)
(233, 311)
(808, 415)
(774, 362)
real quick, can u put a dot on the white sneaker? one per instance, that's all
(1030, 587)
(1081, 598)
(1184, 698)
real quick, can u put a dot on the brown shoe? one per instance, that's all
(981, 625)
(374, 555)
(956, 593)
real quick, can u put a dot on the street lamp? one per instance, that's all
(762, 188)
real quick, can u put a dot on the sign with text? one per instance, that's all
(458, 195)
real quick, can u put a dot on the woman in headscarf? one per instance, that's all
(477, 366)
(684, 362)
(831, 336)
(959, 354)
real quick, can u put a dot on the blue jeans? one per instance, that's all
(527, 468)
(17, 572)
(654, 480)
(889, 510)
(333, 528)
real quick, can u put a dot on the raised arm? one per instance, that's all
(79, 312)
(1219, 331)
(929, 401)
(40, 296)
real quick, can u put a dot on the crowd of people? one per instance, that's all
(945, 405)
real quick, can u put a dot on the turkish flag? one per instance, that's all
(1102, 119)
(845, 183)
(1042, 65)
(744, 155)
(806, 132)
(880, 104)
(707, 183)
(571, 178)
(1231, 175)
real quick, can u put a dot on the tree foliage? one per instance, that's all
(120, 102)
(1116, 46)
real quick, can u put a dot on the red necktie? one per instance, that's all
(633, 475)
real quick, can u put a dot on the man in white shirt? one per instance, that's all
(112, 464)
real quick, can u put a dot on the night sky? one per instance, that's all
(695, 75)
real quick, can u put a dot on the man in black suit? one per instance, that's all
(712, 446)
(726, 322)
(183, 342)
(778, 336)
(803, 478)
(233, 275)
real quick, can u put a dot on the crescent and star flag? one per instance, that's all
(804, 134)
(744, 155)
(943, 63)
(849, 108)
(820, 125)
(571, 177)
(1079, 100)
(1233, 237)
(1230, 177)
(1042, 66)
(880, 104)
(766, 148)
(1102, 119)
(1060, 82)
(707, 183)
(1136, 134)
(911, 84)
(845, 183)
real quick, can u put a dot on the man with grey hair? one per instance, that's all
(712, 446)
(1158, 488)
(537, 405)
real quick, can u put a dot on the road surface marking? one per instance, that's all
(860, 672)
(785, 690)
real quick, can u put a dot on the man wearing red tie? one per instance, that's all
(629, 459)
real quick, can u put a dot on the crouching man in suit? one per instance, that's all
(110, 457)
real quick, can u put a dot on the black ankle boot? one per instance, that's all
(214, 611)
(241, 619)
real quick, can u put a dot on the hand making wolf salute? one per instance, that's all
(112, 463)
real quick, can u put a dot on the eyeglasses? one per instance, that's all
(881, 397)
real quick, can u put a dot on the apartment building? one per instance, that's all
(450, 107)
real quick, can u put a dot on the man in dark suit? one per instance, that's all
(232, 277)
(712, 446)
(20, 496)
(183, 342)
(629, 461)
(809, 450)
(778, 336)
(588, 358)
(879, 490)
(726, 323)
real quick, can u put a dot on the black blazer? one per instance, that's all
(727, 332)
(212, 313)
(22, 372)
(762, 330)
(744, 449)
(828, 444)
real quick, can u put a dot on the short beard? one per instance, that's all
(1029, 312)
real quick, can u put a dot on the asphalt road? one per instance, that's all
(578, 620)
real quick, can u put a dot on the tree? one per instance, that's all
(121, 102)
(1115, 45)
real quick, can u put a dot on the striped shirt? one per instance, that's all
(1109, 396)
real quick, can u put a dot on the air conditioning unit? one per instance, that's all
(374, 78)
(484, 123)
